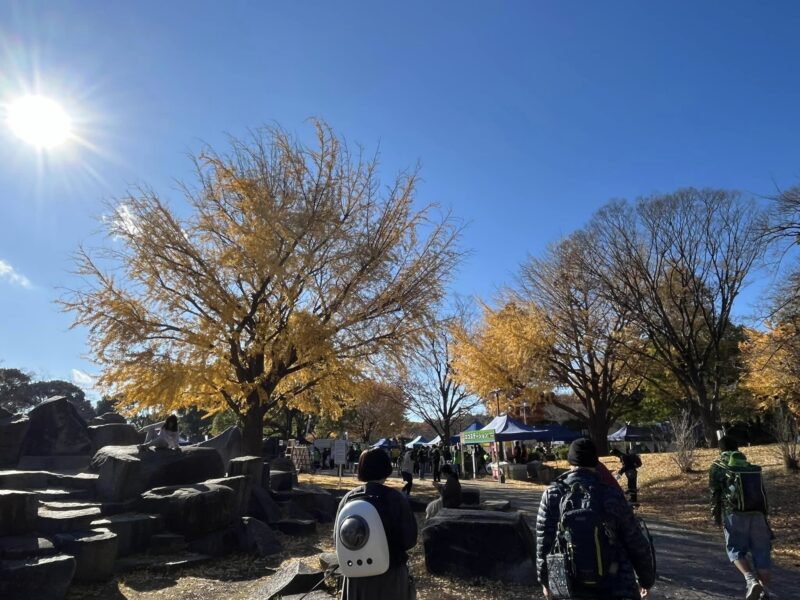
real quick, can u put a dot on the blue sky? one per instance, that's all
(525, 116)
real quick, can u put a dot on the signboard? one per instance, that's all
(340, 452)
(481, 436)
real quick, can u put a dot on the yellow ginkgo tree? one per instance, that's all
(284, 270)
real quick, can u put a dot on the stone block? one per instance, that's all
(46, 578)
(263, 507)
(58, 462)
(249, 466)
(134, 530)
(107, 418)
(17, 512)
(475, 543)
(32, 480)
(13, 429)
(497, 505)
(295, 578)
(470, 496)
(65, 521)
(256, 537)
(216, 543)
(241, 487)
(281, 481)
(95, 552)
(127, 471)
(113, 434)
(56, 429)
(191, 510)
(167, 543)
(315, 501)
(25, 546)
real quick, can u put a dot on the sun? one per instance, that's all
(39, 121)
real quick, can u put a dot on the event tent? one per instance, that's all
(417, 441)
(385, 443)
(632, 433)
(507, 429)
(555, 433)
(454, 439)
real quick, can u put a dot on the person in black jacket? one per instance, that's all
(400, 525)
(449, 493)
(629, 463)
(634, 553)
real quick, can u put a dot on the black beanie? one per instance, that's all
(727, 444)
(582, 453)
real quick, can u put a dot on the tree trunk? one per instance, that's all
(252, 436)
(598, 432)
(707, 417)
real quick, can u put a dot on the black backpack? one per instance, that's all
(584, 557)
(744, 484)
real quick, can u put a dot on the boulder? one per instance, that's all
(192, 510)
(134, 530)
(127, 471)
(472, 543)
(328, 560)
(315, 501)
(258, 538)
(294, 578)
(12, 432)
(228, 444)
(56, 429)
(65, 521)
(280, 481)
(106, 418)
(113, 434)
(32, 480)
(216, 543)
(241, 487)
(249, 466)
(263, 507)
(470, 496)
(95, 552)
(61, 462)
(518, 472)
(282, 463)
(499, 505)
(17, 512)
(44, 578)
(25, 546)
(167, 543)
(296, 526)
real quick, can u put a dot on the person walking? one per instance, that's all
(589, 544)
(422, 455)
(457, 462)
(630, 462)
(406, 471)
(400, 526)
(516, 454)
(436, 464)
(739, 505)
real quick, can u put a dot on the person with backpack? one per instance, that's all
(399, 525)
(630, 463)
(739, 506)
(588, 541)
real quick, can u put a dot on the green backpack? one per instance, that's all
(744, 485)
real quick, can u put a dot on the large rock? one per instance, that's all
(25, 546)
(296, 526)
(113, 434)
(228, 444)
(192, 510)
(94, 551)
(134, 530)
(127, 471)
(251, 467)
(315, 501)
(41, 578)
(471, 543)
(34, 480)
(263, 506)
(241, 487)
(17, 512)
(280, 481)
(65, 521)
(56, 429)
(216, 543)
(295, 578)
(60, 462)
(12, 432)
(282, 463)
(258, 538)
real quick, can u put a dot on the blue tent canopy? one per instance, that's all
(507, 429)
(474, 426)
(417, 441)
(385, 443)
(632, 433)
(555, 433)
(454, 439)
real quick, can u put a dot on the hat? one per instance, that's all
(582, 453)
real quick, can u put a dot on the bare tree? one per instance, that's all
(675, 264)
(684, 431)
(784, 427)
(588, 347)
(430, 387)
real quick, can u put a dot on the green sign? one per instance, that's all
(481, 436)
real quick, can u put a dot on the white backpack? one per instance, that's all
(361, 544)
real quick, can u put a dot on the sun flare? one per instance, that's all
(39, 121)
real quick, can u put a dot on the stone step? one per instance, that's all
(134, 530)
(65, 521)
(95, 552)
(61, 494)
(77, 462)
(31, 480)
(296, 526)
(167, 543)
(68, 504)
(17, 512)
(163, 563)
(44, 578)
(25, 546)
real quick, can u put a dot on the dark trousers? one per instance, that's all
(437, 473)
(633, 493)
(408, 478)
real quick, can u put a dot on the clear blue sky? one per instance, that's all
(525, 116)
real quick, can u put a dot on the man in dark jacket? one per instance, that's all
(634, 554)
(629, 465)
(450, 493)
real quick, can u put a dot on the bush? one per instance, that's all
(683, 429)
(784, 428)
